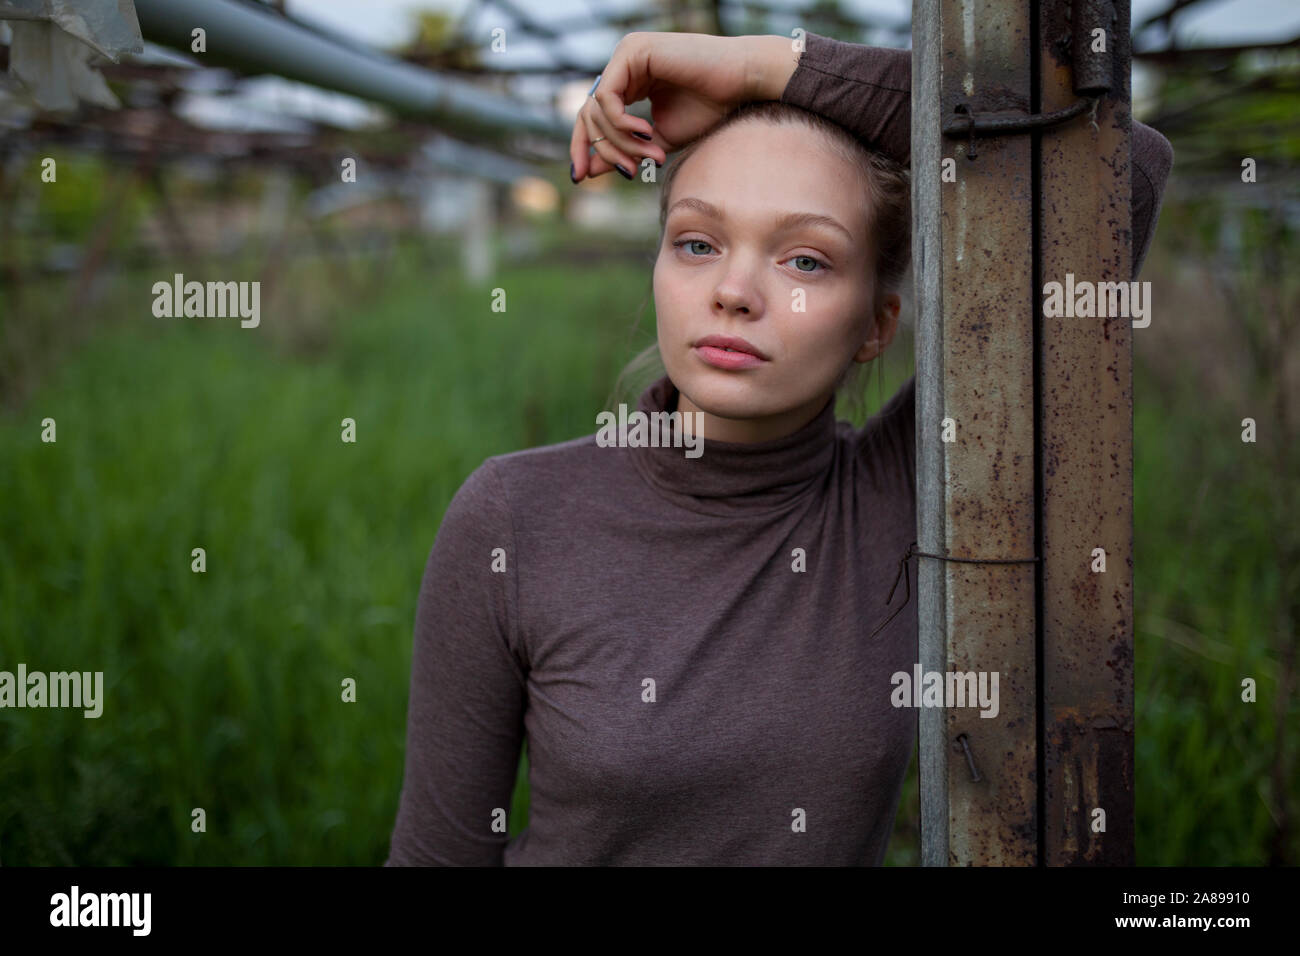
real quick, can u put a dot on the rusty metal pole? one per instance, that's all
(1024, 430)
(973, 258)
(1086, 444)
(927, 274)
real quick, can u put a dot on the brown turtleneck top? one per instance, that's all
(685, 641)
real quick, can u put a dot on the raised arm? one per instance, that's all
(465, 721)
(868, 90)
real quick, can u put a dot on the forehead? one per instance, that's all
(756, 170)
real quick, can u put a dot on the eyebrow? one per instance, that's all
(788, 220)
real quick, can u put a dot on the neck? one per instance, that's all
(750, 430)
(737, 478)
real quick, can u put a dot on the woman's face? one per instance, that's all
(735, 263)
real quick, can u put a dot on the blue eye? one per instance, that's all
(814, 261)
(700, 242)
(691, 242)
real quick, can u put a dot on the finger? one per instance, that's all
(625, 70)
(611, 86)
(631, 147)
(606, 142)
(586, 164)
(611, 97)
(592, 164)
(663, 144)
(614, 91)
(641, 139)
(640, 143)
(578, 144)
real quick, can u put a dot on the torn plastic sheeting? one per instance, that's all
(108, 26)
(52, 43)
(52, 67)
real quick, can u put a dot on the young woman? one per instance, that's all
(685, 640)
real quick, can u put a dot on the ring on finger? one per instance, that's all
(592, 128)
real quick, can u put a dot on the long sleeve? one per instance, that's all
(868, 90)
(468, 688)
(886, 443)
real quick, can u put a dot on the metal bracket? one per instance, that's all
(1091, 70)
(1003, 122)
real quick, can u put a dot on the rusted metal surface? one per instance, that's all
(1041, 467)
(983, 482)
(1092, 69)
(1086, 482)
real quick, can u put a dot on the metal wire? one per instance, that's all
(902, 569)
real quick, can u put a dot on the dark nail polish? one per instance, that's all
(626, 174)
(644, 136)
(572, 178)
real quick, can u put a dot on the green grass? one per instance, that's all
(224, 687)
(1206, 592)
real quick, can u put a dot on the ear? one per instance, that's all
(883, 329)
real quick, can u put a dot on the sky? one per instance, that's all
(384, 23)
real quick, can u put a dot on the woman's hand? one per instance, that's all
(692, 80)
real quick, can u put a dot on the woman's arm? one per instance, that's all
(468, 689)
(867, 90)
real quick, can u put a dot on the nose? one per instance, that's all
(732, 303)
(736, 296)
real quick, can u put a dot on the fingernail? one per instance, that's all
(572, 177)
(626, 174)
(644, 136)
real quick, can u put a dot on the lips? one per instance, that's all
(733, 344)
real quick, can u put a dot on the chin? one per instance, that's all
(736, 395)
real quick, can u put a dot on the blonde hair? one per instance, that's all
(889, 226)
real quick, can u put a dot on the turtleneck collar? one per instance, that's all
(736, 478)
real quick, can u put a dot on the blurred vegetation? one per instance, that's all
(76, 206)
(1220, 110)
(437, 40)
(1223, 604)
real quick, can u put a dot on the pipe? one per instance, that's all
(250, 37)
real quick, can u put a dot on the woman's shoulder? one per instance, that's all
(534, 477)
(563, 463)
